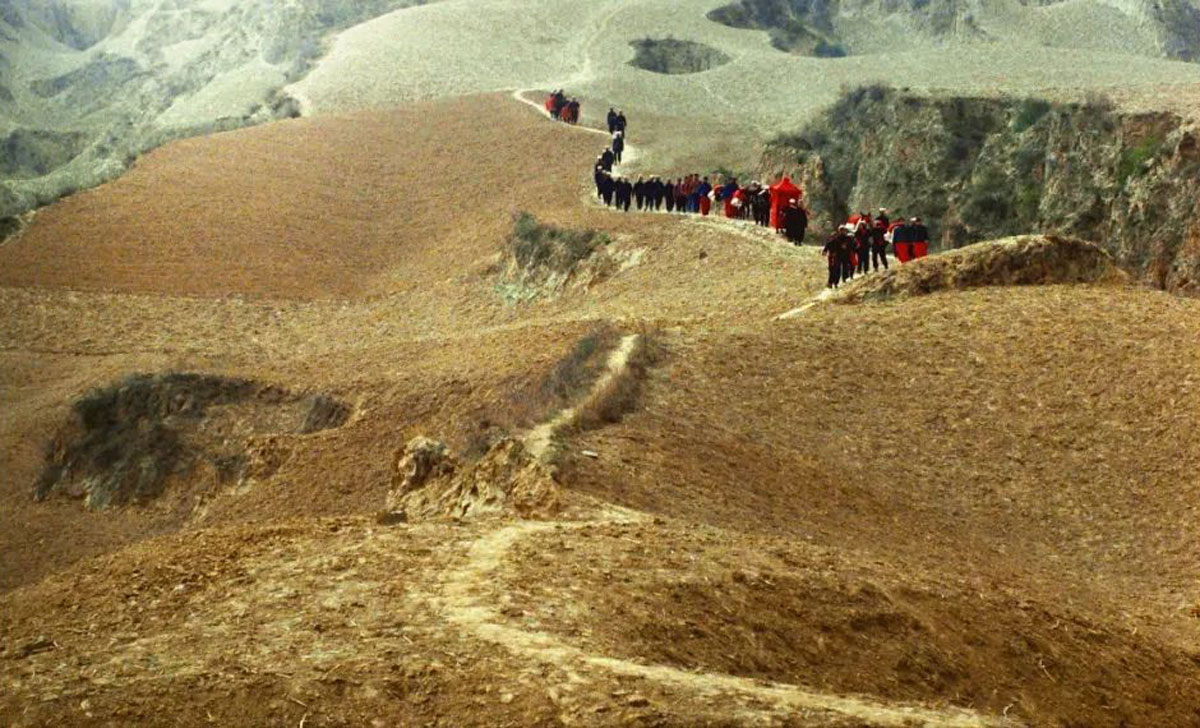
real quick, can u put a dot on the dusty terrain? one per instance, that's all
(972, 507)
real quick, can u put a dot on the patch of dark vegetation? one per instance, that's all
(124, 443)
(803, 27)
(9, 226)
(673, 56)
(324, 413)
(1135, 157)
(1179, 21)
(103, 75)
(535, 244)
(622, 393)
(1028, 113)
(825, 49)
(537, 399)
(36, 152)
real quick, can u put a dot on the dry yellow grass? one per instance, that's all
(1010, 469)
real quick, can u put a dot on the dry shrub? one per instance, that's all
(539, 399)
(1028, 260)
(535, 245)
(324, 413)
(124, 442)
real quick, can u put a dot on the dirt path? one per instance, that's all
(537, 442)
(462, 604)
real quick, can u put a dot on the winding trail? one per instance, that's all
(461, 603)
(537, 442)
(738, 227)
(462, 594)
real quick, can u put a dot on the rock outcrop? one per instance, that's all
(985, 168)
(429, 483)
(1022, 261)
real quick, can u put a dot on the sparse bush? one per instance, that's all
(8, 226)
(125, 441)
(1028, 113)
(1134, 158)
(824, 49)
(324, 413)
(535, 244)
(1029, 201)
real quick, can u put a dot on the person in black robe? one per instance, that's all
(838, 244)
(760, 202)
(621, 122)
(612, 121)
(624, 194)
(669, 195)
(862, 243)
(618, 146)
(607, 187)
(639, 193)
(598, 175)
(606, 160)
(795, 223)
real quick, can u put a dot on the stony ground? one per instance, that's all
(968, 508)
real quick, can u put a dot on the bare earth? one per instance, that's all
(969, 508)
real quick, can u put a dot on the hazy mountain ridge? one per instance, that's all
(1170, 28)
(89, 84)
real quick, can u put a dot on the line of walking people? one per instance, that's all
(857, 247)
(561, 108)
(860, 245)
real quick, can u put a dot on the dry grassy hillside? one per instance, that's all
(586, 48)
(969, 508)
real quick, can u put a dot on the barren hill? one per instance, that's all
(970, 508)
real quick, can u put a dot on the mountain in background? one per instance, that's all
(831, 28)
(86, 85)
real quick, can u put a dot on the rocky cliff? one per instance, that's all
(982, 168)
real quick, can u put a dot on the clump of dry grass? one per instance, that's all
(126, 441)
(1027, 260)
(620, 393)
(566, 382)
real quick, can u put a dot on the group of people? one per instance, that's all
(561, 108)
(857, 247)
(695, 194)
(616, 121)
(860, 245)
